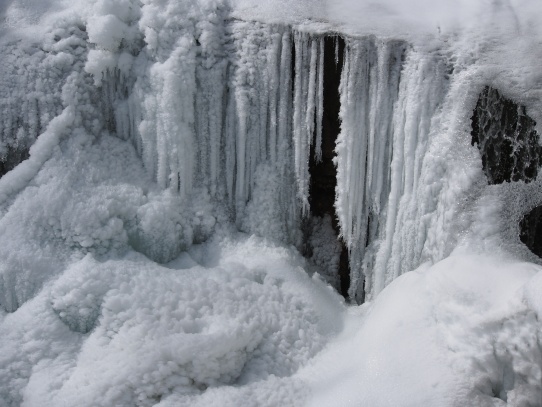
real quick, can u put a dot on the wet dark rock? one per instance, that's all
(506, 137)
(531, 230)
(510, 150)
(12, 158)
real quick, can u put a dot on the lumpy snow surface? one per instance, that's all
(130, 332)
(156, 210)
(462, 332)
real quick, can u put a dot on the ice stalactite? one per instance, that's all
(369, 91)
(235, 111)
(269, 126)
(237, 108)
(320, 101)
(211, 77)
(265, 123)
(308, 108)
(119, 106)
(249, 140)
(257, 128)
(148, 81)
(423, 87)
(169, 118)
(216, 104)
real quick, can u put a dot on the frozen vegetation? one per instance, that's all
(157, 243)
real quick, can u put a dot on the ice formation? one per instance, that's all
(157, 199)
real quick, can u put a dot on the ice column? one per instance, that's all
(211, 71)
(216, 99)
(423, 87)
(308, 107)
(369, 90)
(267, 123)
(252, 129)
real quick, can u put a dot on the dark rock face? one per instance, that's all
(12, 158)
(324, 173)
(531, 230)
(508, 142)
(506, 138)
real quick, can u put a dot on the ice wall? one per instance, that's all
(369, 89)
(229, 117)
(252, 103)
(224, 105)
(233, 111)
(241, 117)
(410, 186)
(380, 156)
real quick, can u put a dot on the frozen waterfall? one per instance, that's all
(233, 110)
(251, 97)
(286, 203)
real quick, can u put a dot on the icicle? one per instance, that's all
(200, 119)
(169, 114)
(306, 109)
(256, 105)
(285, 96)
(352, 143)
(230, 147)
(259, 125)
(336, 47)
(300, 139)
(211, 81)
(243, 83)
(368, 90)
(203, 116)
(135, 117)
(263, 84)
(286, 157)
(320, 103)
(423, 86)
(312, 92)
(273, 62)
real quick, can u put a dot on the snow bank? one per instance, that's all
(462, 332)
(141, 333)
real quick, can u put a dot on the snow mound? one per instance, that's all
(462, 332)
(147, 332)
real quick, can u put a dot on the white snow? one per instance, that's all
(150, 244)
(459, 333)
(151, 332)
